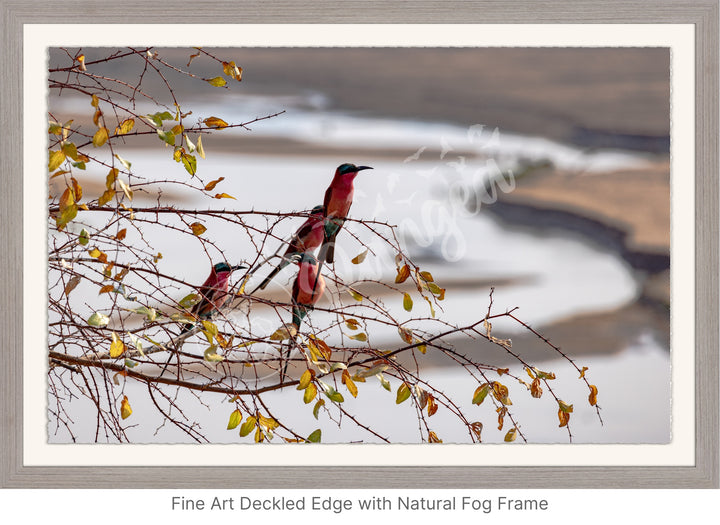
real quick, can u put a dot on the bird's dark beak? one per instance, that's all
(360, 168)
(238, 267)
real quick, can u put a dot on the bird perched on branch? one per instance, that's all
(308, 287)
(338, 199)
(308, 237)
(213, 292)
(307, 290)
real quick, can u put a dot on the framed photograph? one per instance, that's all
(461, 249)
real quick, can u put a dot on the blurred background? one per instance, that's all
(541, 172)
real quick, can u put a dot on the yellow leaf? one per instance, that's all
(403, 393)
(407, 302)
(582, 372)
(359, 258)
(96, 117)
(125, 127)
(476, 427)
(564, 407)
(348, 382)
(224, 196)
(106, 197)
(432, 437)
(593, 395)
(535, 389)
(200, 149)
(268, 423)
(70, 150)
(100, 137)
(56, 158)
(403, 274)
(352, 324)
(310, 393)
(211, 185)
(432, 406)
(362, 336)
(305, 379)
(235, 419)
(248, 426)
(94, 102)
(126, 189)
(77, 189)
(511, 435)
(427, 276)
(125, 409)
(213, 122)
(217, 81)
(355, 295)
(197, 228)
(68, 209)
(177, 129)
(564, 418)
(117, 347)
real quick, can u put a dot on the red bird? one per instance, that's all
(308, 237)
(308, 287)
(213, 292)
(338, 199)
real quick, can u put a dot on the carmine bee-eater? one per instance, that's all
(338, 199)
(307, 290)
(308, 287)
(308, 237)
(213, 292)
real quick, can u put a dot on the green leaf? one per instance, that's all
(189, 300)
(190, 163)
(407, 302)
(480, 394)
(403, 393)
(334, 395)
(384, 382)
(316, 409)
(235, 419)
(98, 319)
(166, 136)
(158, 118)
(84, 237)
(315, 436)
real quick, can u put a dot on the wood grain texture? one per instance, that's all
(702, 13)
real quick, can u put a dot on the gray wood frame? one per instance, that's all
(702, 13)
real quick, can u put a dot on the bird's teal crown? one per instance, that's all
(225, 267)
(318, 209)
(351, 168)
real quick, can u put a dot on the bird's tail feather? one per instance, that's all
(272, 274)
